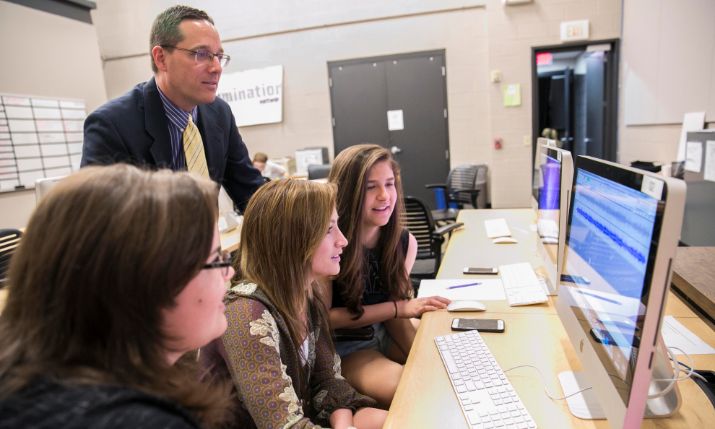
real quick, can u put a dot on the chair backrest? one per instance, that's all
(418, 220)
(318, 171)
(462, 177)
(9, 240)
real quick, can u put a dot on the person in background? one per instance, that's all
(118, 276)
(268, 168)
(277, 349)
(373, 287)
(175, 120)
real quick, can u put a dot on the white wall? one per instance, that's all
(45, 55)
(304, 37)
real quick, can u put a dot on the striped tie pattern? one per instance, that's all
(194, 149)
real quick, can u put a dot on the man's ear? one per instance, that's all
(158, 55)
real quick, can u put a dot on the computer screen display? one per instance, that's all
(547, 193)
(615, 260)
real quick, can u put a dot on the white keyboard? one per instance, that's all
(521, 285)
(547, 228)
(486, 396)
(497, 228)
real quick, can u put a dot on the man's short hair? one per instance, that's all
(165, 30)
(260, 157)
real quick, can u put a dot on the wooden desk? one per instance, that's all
(231, 239)
(694, 278)
(534, 335)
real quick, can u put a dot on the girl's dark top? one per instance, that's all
(50, 404)
(375, 292)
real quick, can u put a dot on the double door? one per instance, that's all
(400, 103)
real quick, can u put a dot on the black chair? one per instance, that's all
(9, 240)
(461, 188)
(318, 171)
(418, 220)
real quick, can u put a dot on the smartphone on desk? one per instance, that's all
(480, 270)
(481, 325)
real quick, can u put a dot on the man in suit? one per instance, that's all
(147, 125)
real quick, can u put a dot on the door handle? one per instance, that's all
(395, 150)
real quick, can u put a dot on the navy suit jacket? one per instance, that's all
(134, 129)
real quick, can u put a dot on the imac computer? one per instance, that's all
(553, 177)
(621, 238)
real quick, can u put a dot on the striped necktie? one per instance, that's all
(194, 149)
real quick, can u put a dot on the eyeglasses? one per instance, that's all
(204, 57)
(223, 261)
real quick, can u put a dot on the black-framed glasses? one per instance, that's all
(222, 261)
(203, 56)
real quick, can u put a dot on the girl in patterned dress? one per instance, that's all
(277, 349)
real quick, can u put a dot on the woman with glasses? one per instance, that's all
(118, 277)
(278, 349)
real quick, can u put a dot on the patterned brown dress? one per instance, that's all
(257, 354)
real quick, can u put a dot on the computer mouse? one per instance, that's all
(466, 305)
(505, 240)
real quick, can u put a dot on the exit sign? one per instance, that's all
(574, 30)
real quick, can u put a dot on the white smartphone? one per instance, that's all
(480, 270)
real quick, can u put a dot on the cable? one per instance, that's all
(541, 375)
(676, 368)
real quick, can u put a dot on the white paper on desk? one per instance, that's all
(486, 290)
(709, 173)
(693, 156)
(677, 335)
(692, 121)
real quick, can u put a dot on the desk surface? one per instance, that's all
(694, 277)
(534, 335)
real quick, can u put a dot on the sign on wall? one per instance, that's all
(39, 137)
(255, 96)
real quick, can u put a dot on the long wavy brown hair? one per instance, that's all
(350, 172)
(104, 253)
(283, 225)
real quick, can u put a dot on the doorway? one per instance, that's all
(575, 94)
(400, 103)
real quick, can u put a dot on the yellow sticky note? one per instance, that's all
(511, 94)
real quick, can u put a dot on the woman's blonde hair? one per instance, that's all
(105, 251)
(283, 225)
(350, 172)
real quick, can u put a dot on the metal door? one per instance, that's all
(412, 86)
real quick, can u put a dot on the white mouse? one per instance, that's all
(466, 305)
(504, 240)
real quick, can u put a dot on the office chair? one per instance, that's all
(462, 188)
(318, 171)
(417, 218)
(9, 240)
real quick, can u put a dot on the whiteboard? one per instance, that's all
(668, 60)
(39, 137)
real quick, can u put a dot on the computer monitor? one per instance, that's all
(553, 178)
(621, 238)
(43, 186)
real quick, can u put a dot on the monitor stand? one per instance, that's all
(585, 405)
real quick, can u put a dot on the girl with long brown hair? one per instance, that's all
(373, 287)
(119, 275)
(277, 349)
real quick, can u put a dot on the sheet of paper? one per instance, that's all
(486, 290)
(677, 335)
(395, 120)
(693, 121)
(693, 156)
(709, 166)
